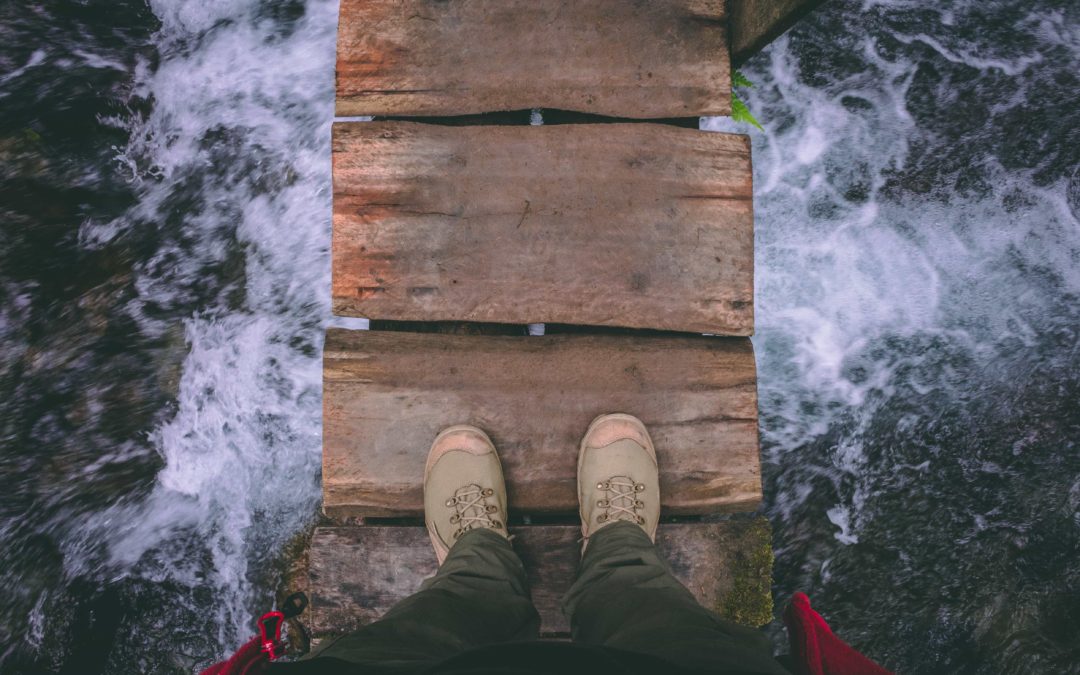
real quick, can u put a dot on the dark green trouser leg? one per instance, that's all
(478, 597)
(626, 597)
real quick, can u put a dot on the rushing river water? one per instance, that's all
(164, 281)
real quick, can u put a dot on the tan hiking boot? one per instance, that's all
(463, 487)
(618, 477)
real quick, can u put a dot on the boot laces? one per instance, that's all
(471, 509)
(621, 501)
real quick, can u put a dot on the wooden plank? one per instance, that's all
(386, 396)
(635, 225)
(756, 23)
(358, 573)
(640, 59)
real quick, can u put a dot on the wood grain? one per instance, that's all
(623, 58)
(358, 573)
(634, 225)
(386, 396)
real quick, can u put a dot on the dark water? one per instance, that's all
(164, 286)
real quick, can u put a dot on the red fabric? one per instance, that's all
(248, 660)
(816, 650)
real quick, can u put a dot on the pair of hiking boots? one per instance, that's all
(617, 480)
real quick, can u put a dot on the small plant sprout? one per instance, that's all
(739, 111)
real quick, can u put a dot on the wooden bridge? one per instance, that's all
(616, 223)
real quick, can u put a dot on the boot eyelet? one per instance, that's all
(450, 502)
(491, 508)
(496, 524)
(456, 518)
(639, 487)
(603, 486)
(457, 533)
(640, 520)
(603, 503)
(602, 518)
(638, 504)
(488, 492)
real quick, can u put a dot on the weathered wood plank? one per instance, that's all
(637, 59)
(635, 225)
(386, 396)
(358, 573)
(756, 23)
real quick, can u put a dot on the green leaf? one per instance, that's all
(740, 113)
(740, 80)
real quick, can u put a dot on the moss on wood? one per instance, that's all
(750, 600)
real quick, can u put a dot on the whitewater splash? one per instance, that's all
(234, 155)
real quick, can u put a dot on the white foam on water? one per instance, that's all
(841, 517)
(36, 59)
(242, 452)
(968, 58)
(837, 274)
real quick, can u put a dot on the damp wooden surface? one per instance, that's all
(387, 394)
(634, 225)
(622, 58)
(358, 573)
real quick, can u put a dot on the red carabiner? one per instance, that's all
(270, 634)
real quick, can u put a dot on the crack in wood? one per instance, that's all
(524, 213)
